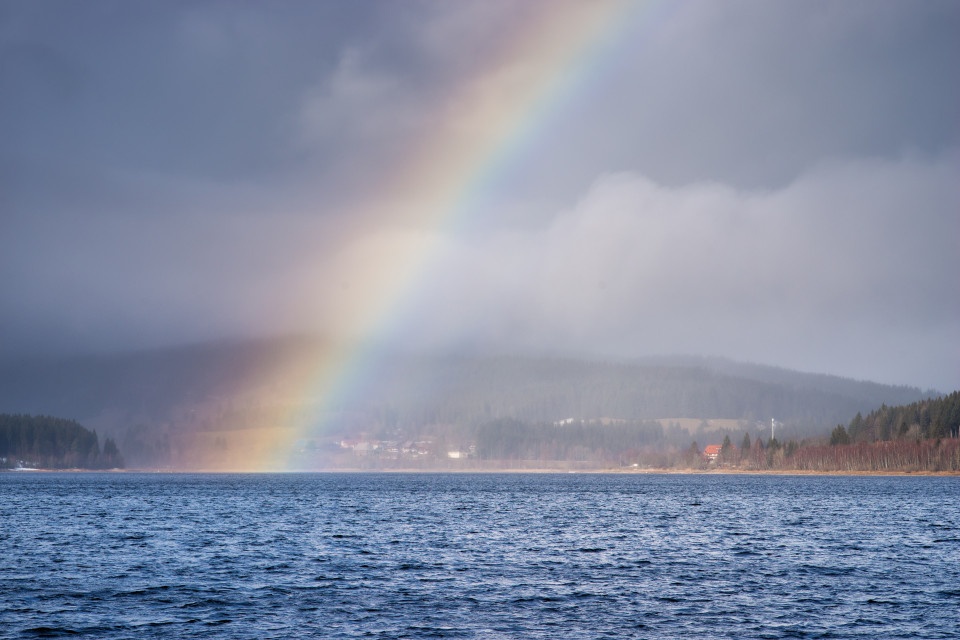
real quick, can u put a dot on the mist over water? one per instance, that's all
(478, 556)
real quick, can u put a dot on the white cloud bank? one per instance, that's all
(850, 269)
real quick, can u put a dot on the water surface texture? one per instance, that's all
(478, 556)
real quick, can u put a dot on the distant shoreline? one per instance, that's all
(690, 472)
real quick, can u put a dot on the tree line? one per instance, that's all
(53, 443)
(922, 436)
(511, 439)
(933, 455)
(931, 418)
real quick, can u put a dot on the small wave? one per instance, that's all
(206, 602)
(329, 578)
(217, 623)
(536, 599)
(51, 632)
(827, 571)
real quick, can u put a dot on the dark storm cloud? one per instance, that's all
(192, 89)
(783, 191)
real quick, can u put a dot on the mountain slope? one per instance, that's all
(144, 399)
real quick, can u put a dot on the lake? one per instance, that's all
(478, 556)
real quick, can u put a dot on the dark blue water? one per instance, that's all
(478, 556)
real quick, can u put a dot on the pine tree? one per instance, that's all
(839, 436)
(111, 455)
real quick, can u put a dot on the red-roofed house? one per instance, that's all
(711, 452)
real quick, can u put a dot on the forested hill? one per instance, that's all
(870, 392)
(53, 443)
(931, 418)
(114, 393)
(550, 389)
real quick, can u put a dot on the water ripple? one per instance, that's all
(478, 556)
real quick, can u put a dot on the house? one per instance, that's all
(711, 452)
(365, 447)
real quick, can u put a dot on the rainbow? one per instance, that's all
(548, 59)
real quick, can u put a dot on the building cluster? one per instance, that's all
(388, 448)
(410, 449)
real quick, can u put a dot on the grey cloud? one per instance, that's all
(753, 94)
(748, 93)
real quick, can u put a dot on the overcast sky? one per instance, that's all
(777, 182)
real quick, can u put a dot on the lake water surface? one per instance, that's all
(478, 556)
